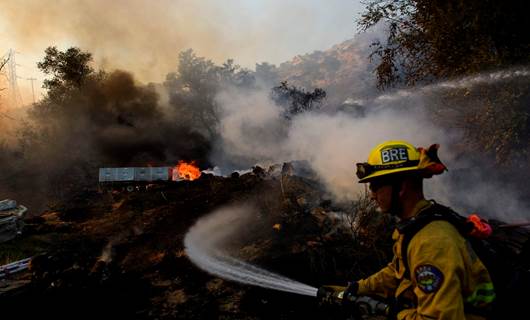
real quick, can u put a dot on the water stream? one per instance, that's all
(204, 246)
(466, 82)
(206, 240)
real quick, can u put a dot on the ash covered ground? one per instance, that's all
(121, 254)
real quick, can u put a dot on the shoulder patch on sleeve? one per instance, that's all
(428, 278)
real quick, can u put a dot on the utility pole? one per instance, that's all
(32, 88)
(16, 98)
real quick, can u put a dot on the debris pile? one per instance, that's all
(14, 267)
(11, 216)
(123, 252)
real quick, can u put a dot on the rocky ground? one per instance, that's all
(121, 254)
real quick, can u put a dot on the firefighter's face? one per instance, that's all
(381, 193)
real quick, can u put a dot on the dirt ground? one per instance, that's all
(114, 253)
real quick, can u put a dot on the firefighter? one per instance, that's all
(444, 279)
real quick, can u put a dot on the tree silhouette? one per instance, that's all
(438, 39)
(297, 100)
(68, 68)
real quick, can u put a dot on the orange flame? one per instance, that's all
(186, 171)
(481, 228)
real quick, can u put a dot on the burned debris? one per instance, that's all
(129, 246)
(134, 178)
(113, 245)
(11, 219)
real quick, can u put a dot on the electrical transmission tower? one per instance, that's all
(14, 92)
(32, 88)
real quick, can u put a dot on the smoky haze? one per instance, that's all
(331, 142)
(144, 36)
(118, 122)
(109, 121)
(333, 139)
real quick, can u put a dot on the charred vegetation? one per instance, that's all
(118, 253)
(121, 253)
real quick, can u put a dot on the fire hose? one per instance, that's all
(357, 306)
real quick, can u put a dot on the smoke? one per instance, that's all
(144, 37)
(121, 123)
(220, 229)
(475, 190)
(252, 126)
(109, 121)
(333, 141)
(120, 34)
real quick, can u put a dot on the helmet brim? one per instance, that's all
(383, 173)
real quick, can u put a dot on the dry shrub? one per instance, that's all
(371, 245)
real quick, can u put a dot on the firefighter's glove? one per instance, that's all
(325, 295)
(350, 293)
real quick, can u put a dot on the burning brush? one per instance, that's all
(186, 171)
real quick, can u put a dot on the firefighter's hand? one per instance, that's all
(350, 293)
(352, 288)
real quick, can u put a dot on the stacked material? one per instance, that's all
(11, 216)
(126, 174)
(14, 267)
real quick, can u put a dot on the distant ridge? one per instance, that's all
(344, 71)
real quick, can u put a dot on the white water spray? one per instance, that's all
(204, 242)
(465, 82)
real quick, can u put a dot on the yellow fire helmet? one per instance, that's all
(393, 157)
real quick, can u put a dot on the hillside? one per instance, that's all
(342, 71)
(121, 254)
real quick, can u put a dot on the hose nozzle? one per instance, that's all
(334, 296)
(330, 295)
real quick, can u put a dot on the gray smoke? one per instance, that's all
(253, 131)
(112, 121)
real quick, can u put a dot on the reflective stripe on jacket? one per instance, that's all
(445, 274)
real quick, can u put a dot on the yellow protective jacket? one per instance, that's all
(445, 274)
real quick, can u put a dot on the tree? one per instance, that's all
(196, 83)
(436, 40)
(69, 69)
(297, 100)
(494, 118)
(233, 75)
(429, 40)
(192, 90)
(69, 72)
(266, 72)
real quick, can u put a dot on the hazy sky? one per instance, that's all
(145, 36)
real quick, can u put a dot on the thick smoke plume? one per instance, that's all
(332, 141)
(109, 121)
(224, 116)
